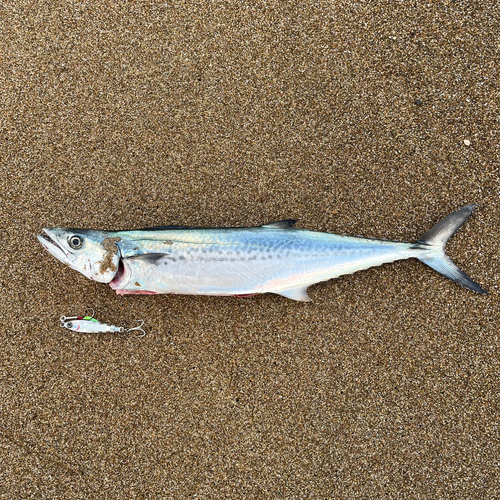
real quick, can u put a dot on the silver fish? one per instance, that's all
(276, 258)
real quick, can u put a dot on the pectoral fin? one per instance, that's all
(149, 258)
(298, 293)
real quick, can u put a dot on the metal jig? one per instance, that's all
(88, 324)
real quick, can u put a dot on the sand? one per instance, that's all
(364, 118)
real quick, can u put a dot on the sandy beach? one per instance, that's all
(362, 118)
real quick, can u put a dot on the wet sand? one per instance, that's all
(373, 119)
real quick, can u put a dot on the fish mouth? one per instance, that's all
(47, 237)
(50, 244)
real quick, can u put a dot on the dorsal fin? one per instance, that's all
(281, 224)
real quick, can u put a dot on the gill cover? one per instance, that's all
(93, 253)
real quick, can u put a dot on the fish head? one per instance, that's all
(93, 253)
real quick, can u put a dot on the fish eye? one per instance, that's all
(75, 242)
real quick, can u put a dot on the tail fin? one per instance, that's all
(435, 240)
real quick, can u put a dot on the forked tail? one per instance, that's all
(435, 240)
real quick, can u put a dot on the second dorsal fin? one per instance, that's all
(281, 224)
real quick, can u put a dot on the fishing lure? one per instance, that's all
(88, 324)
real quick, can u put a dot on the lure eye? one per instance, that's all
(69, 325)
(75, 242)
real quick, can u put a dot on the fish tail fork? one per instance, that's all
(434, 242)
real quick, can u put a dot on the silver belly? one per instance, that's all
(254, 267)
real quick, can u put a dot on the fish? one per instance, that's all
(274, 258)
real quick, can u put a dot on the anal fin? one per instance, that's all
(298, 293)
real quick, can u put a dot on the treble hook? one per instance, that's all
(139, 328)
